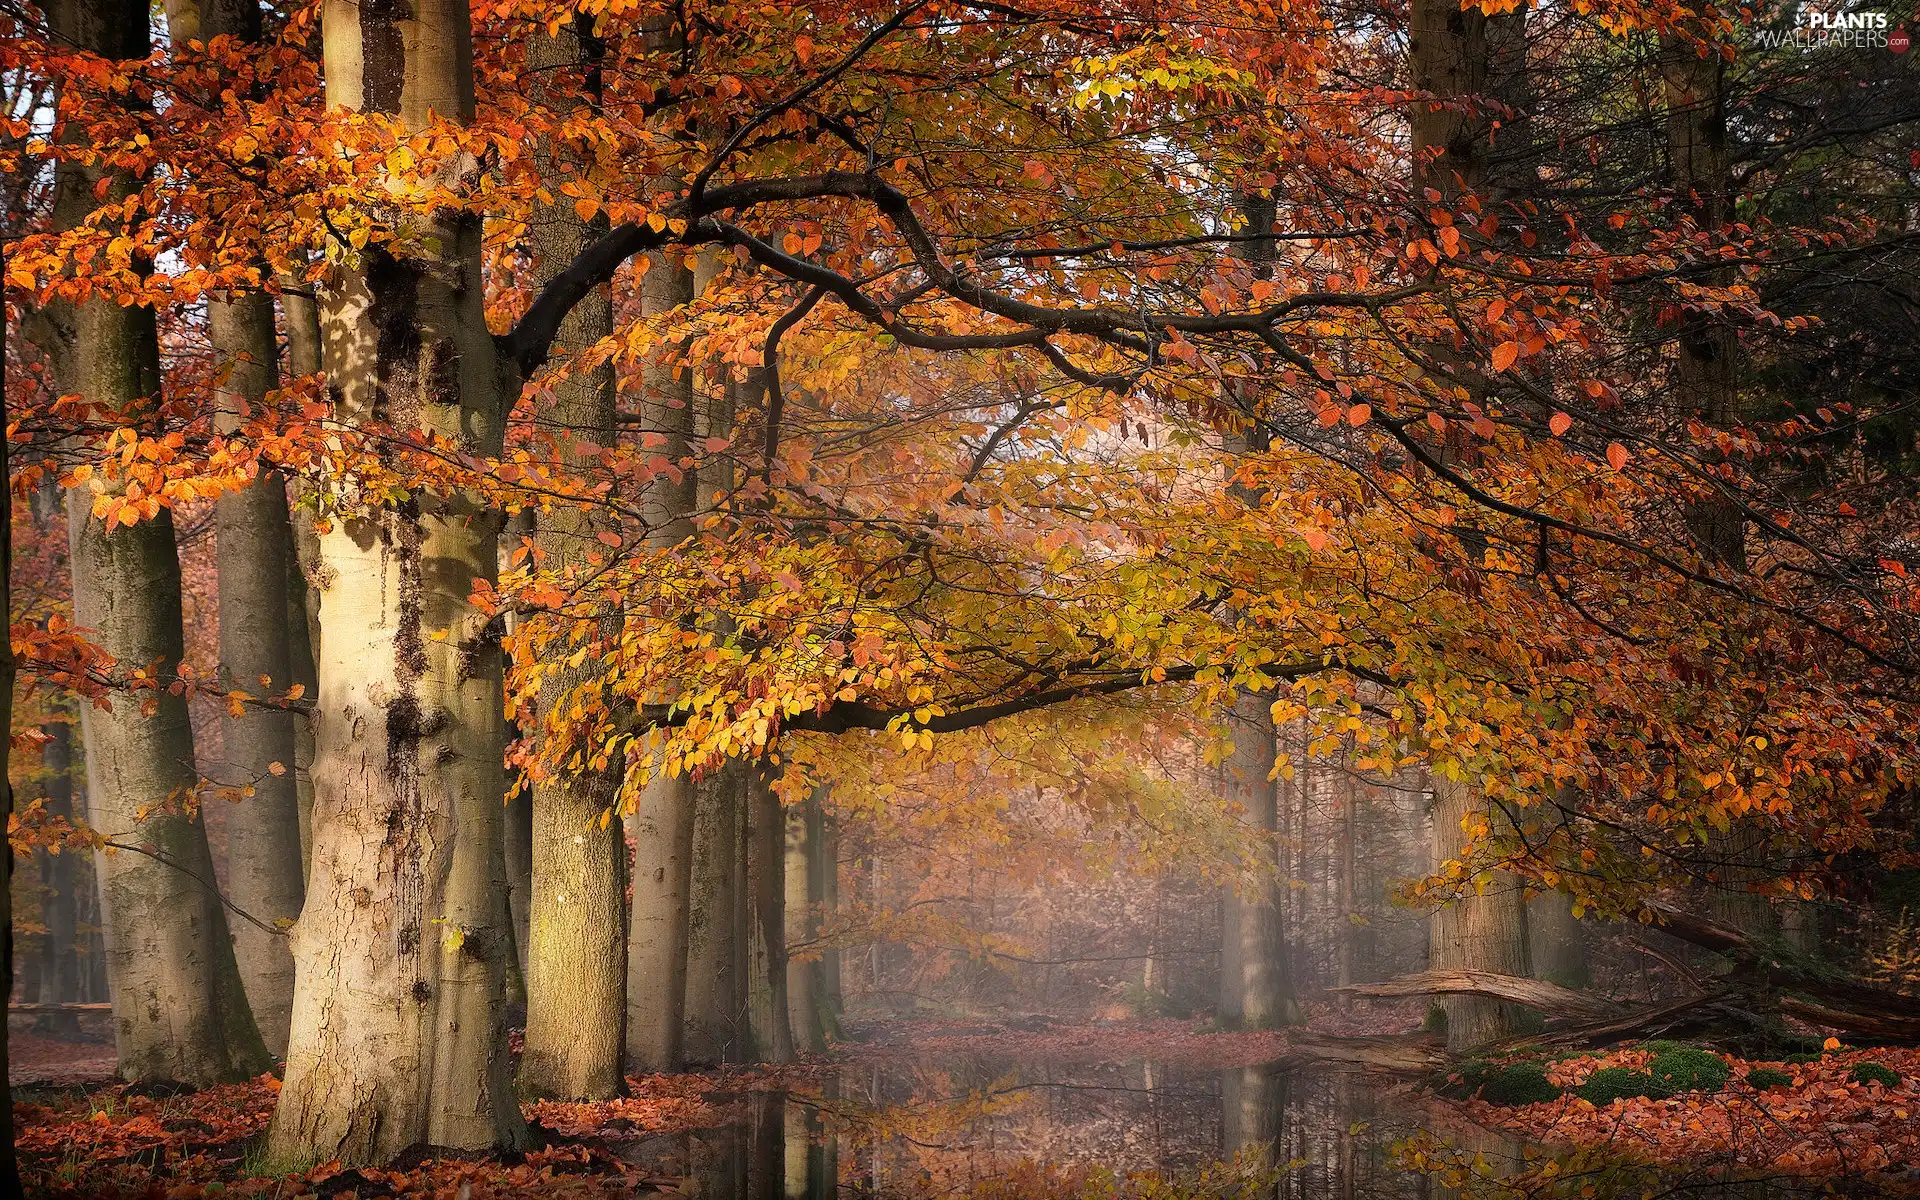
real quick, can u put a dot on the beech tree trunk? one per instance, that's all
(60, 980)
(179, 1010)
(1484, 930)
(576, 969)
(399, 1035)
(1556, 941)
(264, 869)
(302, 315)
(718, 1029)
(662, 826)
(807, 999)
(767, 901)
(1264, 984)
(9, 1162)
(1255, 976)
(833, 994)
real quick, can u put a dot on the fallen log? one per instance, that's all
(1413, 1053)
(1765, 980)
(1548, 998)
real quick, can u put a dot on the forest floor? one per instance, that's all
(81, 1135)
(1827, 1121)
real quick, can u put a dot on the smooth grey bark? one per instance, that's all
(9, 1163)
(1556, 941)
(662, 824)
(517, 853)
(576, 968)
(1256, 984)
(302, 315)
(179, 1010)
(399, 1034)
(718, 1029)
(767, 902)
(60, 972)
(265, 874)
(1451, 57)
(1484, 929)
(807, 997)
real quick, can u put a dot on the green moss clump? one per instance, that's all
(1463, 1081)
(1766, 1077)
(1435, 1021)
(1873, 1072)
(1519, 1083)
(1685, 1069)
(1608, 1084)
(1801, 1059)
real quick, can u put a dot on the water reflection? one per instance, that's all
(992, 1128)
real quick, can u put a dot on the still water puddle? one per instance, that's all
(1003, 1130)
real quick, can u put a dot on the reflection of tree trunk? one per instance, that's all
(809, 1154)
(1484, 929)
(718, 1162)
(1253, 1101)
(766, 1163)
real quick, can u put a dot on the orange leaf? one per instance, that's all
(1505, 354)
(1617, 456)
(1359, 414)
(1560, 423)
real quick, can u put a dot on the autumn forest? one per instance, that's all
(1001, 598)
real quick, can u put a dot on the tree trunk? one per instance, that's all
(303, 599)
(662, 828)
(576, 945)
(1483, 930)
(517, 855)
(60, 981)
(179, 1012)
(9, 1161)
(1346, 923)
(657, 985)
(767, 908)
(806, 895)
(717, 1028)
(1556, 941)
(833, 994)
(1266, 998)
(264, 869)
(399, 1035)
